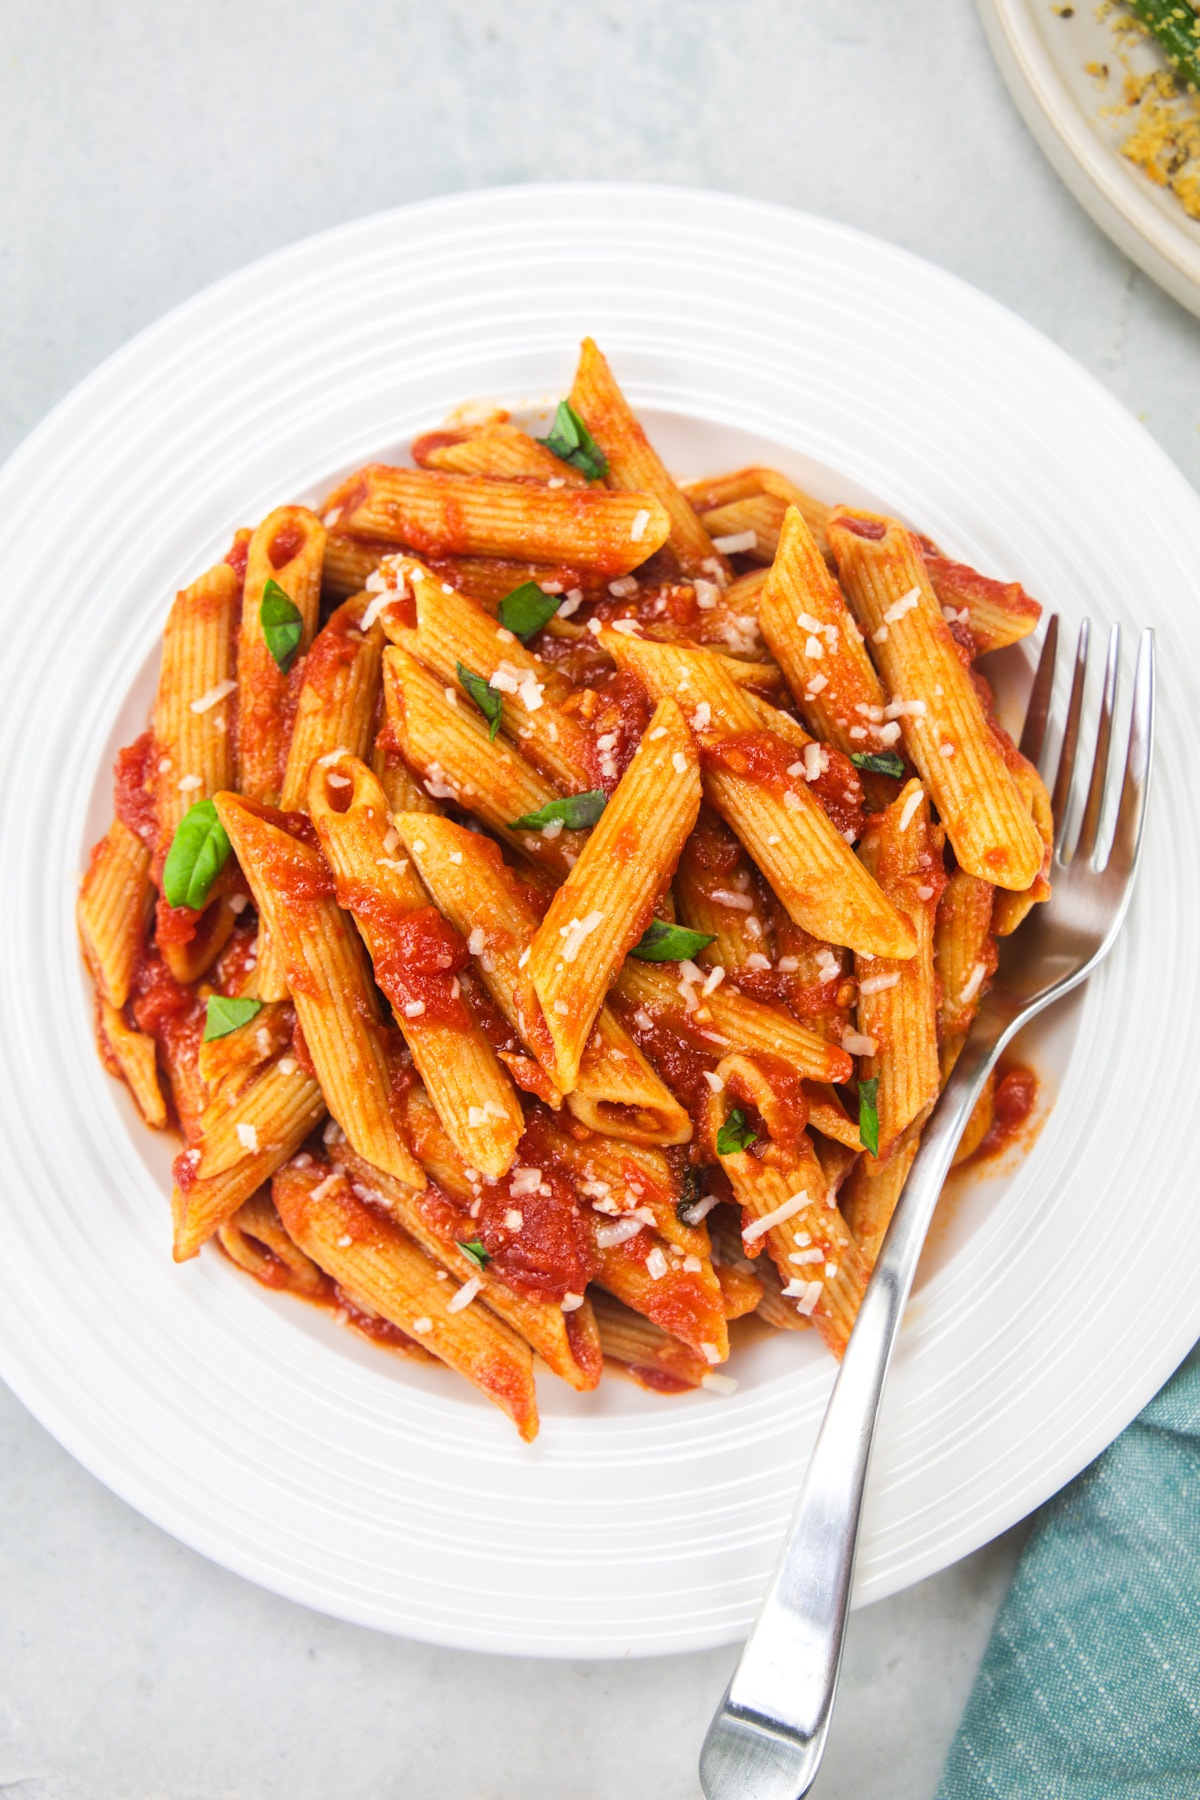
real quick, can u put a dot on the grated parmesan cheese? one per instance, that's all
(735, 542)
(247, 1137)
(465, 1295)
(574, 934)
(213, 697)
(637, 530)
(778, 1216)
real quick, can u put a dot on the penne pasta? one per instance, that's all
(607, 900)
(618, 1093)
(196, 700)
(326, 974)
(287, 552)
(379, 1267)
(567, 1342)
(347, 565)
(817, 644)
(418, 958)
(785, 1201)
(897, 1000)
(762, 791)
(946, 733)
(872, 1189)
(470, 515)
(239, 1147)
(498, 449)
(115, 903)
(131, 1055)
(747, 527)
(338, 700)
(652, 1356)
(449, 744)
(633, 464)
(255, 1239)
(994, 613)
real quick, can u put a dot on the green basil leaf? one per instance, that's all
(735, 1134)
(661, 942)
(282, 625)
(197, 855)
(882, 762)
(576, 811)
(225, 1015)
(526, 609)
(572, 442)
(868, 1115)
(486, 698)
(475, 1250)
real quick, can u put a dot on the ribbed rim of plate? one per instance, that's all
(1110, 190)
(388, 1496)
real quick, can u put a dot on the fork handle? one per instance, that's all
(767, 1737)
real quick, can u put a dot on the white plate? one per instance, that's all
(1056, 1300)
(1043, 57)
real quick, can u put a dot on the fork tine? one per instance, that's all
(1090, 828)
(1127, 834)
(1064, 781)
(1033, 736)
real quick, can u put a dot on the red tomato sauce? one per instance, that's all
(678, 1059)
(418, 956)
(134, 780)
(1012, 1108)
(287, 544)
(863, 528)
(238, 553)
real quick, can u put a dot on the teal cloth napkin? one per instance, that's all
(1090, 1688)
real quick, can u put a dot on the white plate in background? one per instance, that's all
(1043, 55)
(1059, 1295)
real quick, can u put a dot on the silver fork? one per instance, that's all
(768, 1735)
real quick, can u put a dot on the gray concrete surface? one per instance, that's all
(146, 150)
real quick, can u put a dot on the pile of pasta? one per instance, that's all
(547, 900)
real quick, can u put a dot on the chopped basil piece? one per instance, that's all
(282, 625)
(735, 1134)
(486, 698)
(475, 1251)
(225, 1015)
(576, 812)
(868, 1115)
(572, 442)
(196, 857)
(882, 762)
(661, 942)
(526, 609)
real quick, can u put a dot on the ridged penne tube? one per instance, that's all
(346, 565)
(729, 1254)
(113, 910)
(872, 1189)
(618, 1093)
(191, 958)
(193, 704)
(288, 548)
(996, 612)
(818, 645)
(453, 629)
(404, 792)
(618, 1177)
(255, 1239)
(379, 1267)
(740, 1291)
(633, 463)
(338, 698)
(474, 515)
(782, 1187)
(240, 1147)
(134, 1054)
(449, 744)
(679, 1293)
(817, 877)
(744, 593)
(643, 1347)
(964, 952)
(1009, 908)
(897, 1000)
(496, 449)
(607, 900)
(327, 975)
(335, 710)
(725, 1020)
(267, 1034)
(827, 1115)
(416, 957)
(759, 516)
(744, 484)
(568, 1343)
(946, 732)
